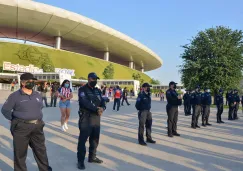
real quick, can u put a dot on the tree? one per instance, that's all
(155, 82)
(213, 59)
(108, 72)
(137, 76)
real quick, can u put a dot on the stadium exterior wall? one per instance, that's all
(47, 57)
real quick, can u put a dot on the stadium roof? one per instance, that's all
(37, 22)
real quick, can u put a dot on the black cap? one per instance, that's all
(235, 90)
(93, 75)
(27, 76)
(198, 86)
(220, 90)
(146, 85)
(205, 89)
(172, 83)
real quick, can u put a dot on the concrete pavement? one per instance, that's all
(219, 147)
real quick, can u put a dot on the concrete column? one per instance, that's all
(142, 70)
(134, 66)
(131, 64)
(58, 42)
(106, 56)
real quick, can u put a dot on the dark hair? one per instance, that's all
(64, 82)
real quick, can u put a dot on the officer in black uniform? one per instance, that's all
(187, 103)
(232, 103)
(173, 101)
(24, 109)
(91, 107)
(237, 100)
(220, 105)
(196, 100)
(143, 105)
(206, 102)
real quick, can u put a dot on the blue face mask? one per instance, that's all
(66, 85)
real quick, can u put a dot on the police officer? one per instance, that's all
(143, 105)
(173, 101)
(187, 103)
(196, 100)
(237, 100)
(220, 105)
(232, 103)
(206, 102)
(91, 106)
(24, 109)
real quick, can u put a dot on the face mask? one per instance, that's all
(29, 85)
(66, 85)
(93, 83)
(148, 89)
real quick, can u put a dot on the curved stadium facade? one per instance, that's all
(78, 42)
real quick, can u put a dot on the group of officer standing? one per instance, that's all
(200, 103)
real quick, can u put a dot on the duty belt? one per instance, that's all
(29, 121)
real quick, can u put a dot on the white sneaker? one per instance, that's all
(65, 126)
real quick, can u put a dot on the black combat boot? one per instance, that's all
(95, 160)
(81, 166)
(149, 140)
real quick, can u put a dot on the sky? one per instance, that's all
(162, 25)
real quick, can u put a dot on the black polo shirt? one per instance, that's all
(23, 106)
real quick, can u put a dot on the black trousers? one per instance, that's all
(231, 111)
(124, 98)
(89, 127)
(53, 99)
(195, 115)
(24, 135)
(205, 114)
(220, 110)
(172, 113)
(235, 116)
(187, 109)
(145, 118)
(116, 105)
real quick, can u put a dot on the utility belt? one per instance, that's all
(83, 111)
(29, 121)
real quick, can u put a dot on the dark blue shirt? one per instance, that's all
(143, 101)
(23, 106)
(206, 98)
(187, 98)
(237, 98)
(231, 98)
(219, 99)
(172, 98)
(196, 98)
(90, 98)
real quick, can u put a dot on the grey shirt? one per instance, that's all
(23, 106)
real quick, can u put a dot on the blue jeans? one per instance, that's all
(116, 102)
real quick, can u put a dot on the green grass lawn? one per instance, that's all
(82, 64)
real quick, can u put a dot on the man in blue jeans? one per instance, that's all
(117, 98)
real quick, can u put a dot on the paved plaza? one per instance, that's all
(218, 147)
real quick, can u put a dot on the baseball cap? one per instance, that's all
(146, 85)
(27, 76)
(93, 75)
(172, 83)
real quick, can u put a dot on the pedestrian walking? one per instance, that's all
(65, 94)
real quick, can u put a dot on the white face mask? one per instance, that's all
(208, 91)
